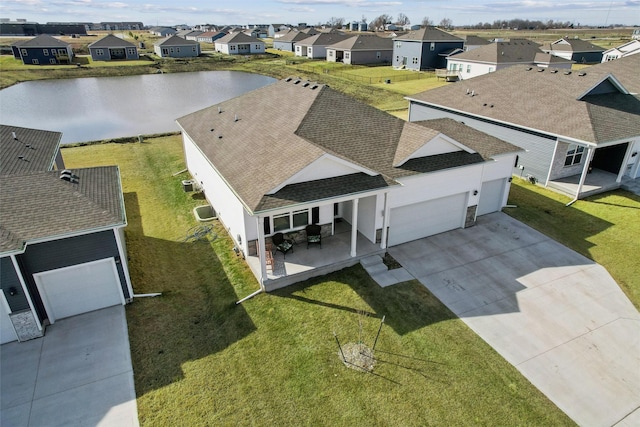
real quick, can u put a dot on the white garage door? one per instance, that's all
(491, 196)
(7, 333)
(79, 289)
(424, 219)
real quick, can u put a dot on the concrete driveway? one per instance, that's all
(558, 317)
(78, 374)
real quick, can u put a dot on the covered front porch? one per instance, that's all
(303, 263)
(596, 181)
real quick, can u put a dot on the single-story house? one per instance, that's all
(239, 44)
(362, 49)
(43, 50)
(547, 60)
(626, 49)
(289, 40)
(315, 47)
(296, 153)
(210, 36)
(274, 29)
(424, 49)
(176, 47)
(492, 57)
(577, 50)
(111, 48)
(163, 31)
(62, 247)
(580, 129)
(193, 35)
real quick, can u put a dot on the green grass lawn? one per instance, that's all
(200, 359)
(603, 227)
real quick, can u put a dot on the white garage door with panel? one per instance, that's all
(424, 219)
(491, 196)
(80, 288)
(7, 333)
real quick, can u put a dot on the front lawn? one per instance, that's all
(604, 227)
(200, 359)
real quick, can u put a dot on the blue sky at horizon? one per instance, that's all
(192, 12)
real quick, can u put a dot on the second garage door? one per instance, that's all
(424, 219)
(79, 289)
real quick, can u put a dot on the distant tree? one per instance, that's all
(426, 22)
(446, 23)
(378, 23)
(402, 19)
(335, 22)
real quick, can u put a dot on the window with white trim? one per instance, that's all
(99, 52)
(574, 155)
(132, 51)
(432, 47)
(52, 61)
(45, 52)
(24, 52)
(294, 220)
(468, 68)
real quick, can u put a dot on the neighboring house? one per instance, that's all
(239, 44)
(256, 33)
(492, 57)
(424, 49)
(176, 47)
(62, 248)
(315, 47)
(111, 48)
(362, 49)
(274, 29)
(43, 50)
(163, 31)
(289, 40)
(325, 158)
(580, 130)
(627, 49)
(547, 60)
(193, 35)
(210, 36)
(474, 42)
(577, 50)
(636, 34)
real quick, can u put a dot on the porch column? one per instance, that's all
(261, 252)
(385, 221)
(23, 284)
(354, 227)
(585, 168)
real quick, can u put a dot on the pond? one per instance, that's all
(89, 109)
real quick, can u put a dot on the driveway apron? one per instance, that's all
(557, 316)
(78, 374)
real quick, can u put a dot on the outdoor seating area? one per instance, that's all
(314, 235)
(597, 181)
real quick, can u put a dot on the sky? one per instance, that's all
(193, 12)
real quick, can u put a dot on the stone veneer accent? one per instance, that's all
(470, 219)
(558, 169)
(25, 325)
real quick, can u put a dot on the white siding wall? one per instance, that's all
(323, 168)
(228, 208)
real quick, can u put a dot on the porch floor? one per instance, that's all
(598, 181)
(303, 263)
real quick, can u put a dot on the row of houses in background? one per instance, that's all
(22, 27)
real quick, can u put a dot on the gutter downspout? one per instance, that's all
(583, 176)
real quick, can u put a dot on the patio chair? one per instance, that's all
(282, 245)
(314, 235)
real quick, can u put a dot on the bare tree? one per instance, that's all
(426, 22)
(402, 19)
(379, 22)
(335, 22)
(446, 23)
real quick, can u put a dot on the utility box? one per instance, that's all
(187, 185)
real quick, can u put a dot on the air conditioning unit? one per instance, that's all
(189, 185)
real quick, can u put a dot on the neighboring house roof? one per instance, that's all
(175, 41)
(32, 150)
(629, 48)
(475, 41)
(521, 51)
(588, 105)
(40, 205)
(44, 40)
(363, 42)
(293, 36)
(323, 39)
(285, 127)
(111, 41)
(550, 59)
(572, 45)
(238, 38)
(429, 34)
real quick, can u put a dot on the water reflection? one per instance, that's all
(90, 109)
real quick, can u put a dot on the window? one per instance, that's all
(377, 55)
(193, 48)
(35, 62)
(347, 55)
(24, 52)
(232, 47)
(398, 44)
(99, 52)
(291, 220)
(491, 70)
(468, 68)
(432, 47)
(414, 60)
(300, 218)
(177, 49)
(53, 51)
(171, 49)
(45, 52)
(257, 47)
(52, 61)
(132, 51)
(574, 155)
(281, 222)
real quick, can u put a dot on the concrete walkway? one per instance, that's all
(78, 374)
(558, 317)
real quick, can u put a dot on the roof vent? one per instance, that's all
(553, 71)
(566, 73)
(13, 134)
(219, 110)
(235, 118)
(288, 79)
(473, 93)
(296, 82)
(540, 70)
(314, 87)
(529, 68)
(67, 175)
(583, 73)
(305, 84)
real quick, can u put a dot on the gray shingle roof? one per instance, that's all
(40, 205)
(111, 41)
(293, 36)
(238, 38)
(323, 39)
(284, 127)
(429, 34)
(364, 42)
(44, 40)
(521, 51)
(38, 149)
(573, 45)
(175, 41)
(549, 102)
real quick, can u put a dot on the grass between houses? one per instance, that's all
(603, 227)
(200, 359)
